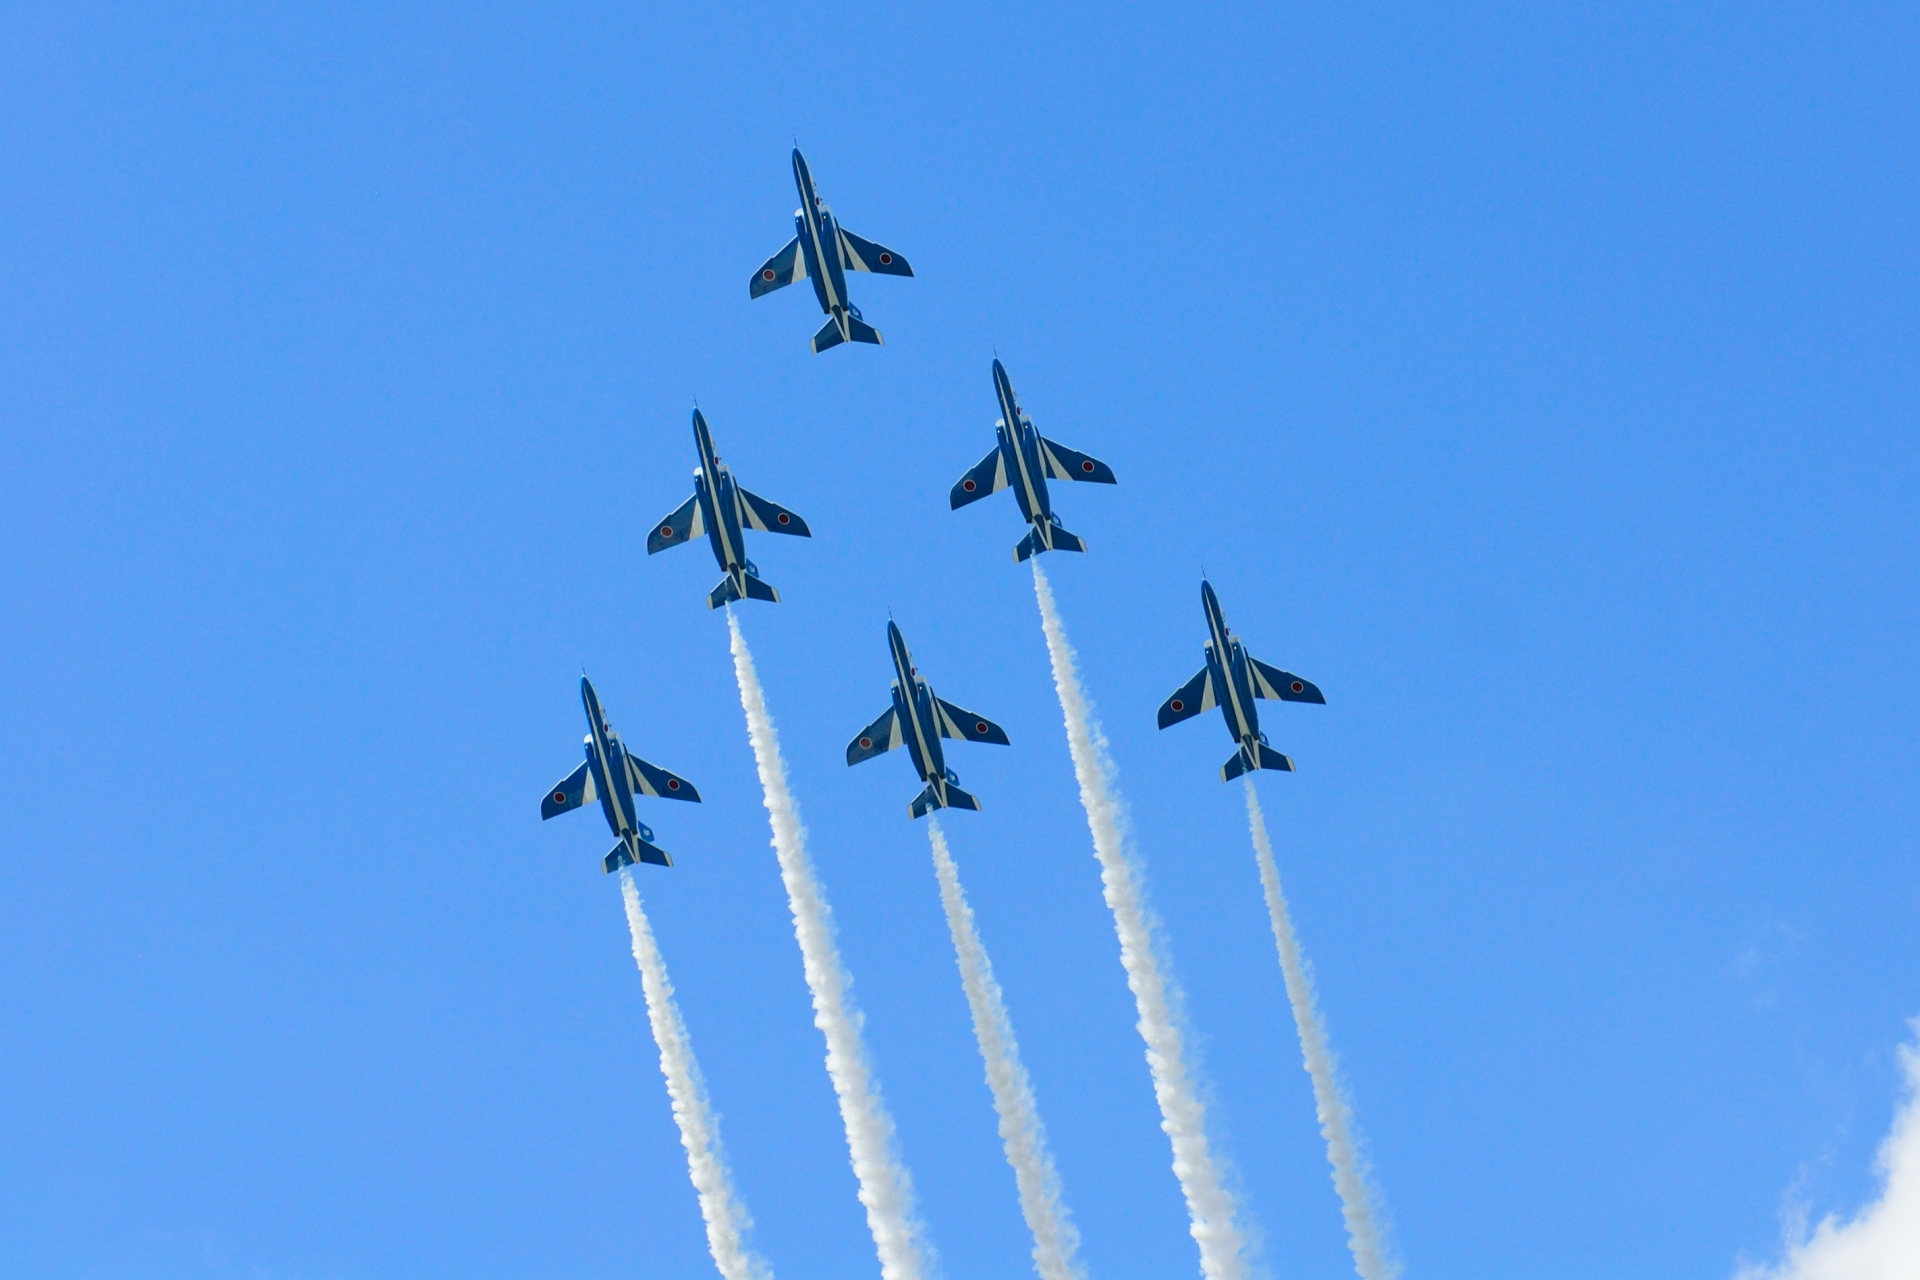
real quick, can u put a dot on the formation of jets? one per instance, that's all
(1022, 460)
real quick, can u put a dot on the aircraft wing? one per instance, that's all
(1190, 699)
(781, 270)
(1063, 463)
(570, 792)
(958, 722)
(988, 476)
(768, 517)
(878, 738)
(651, 780)
(685, 523)
(1282, 686)
(865, 255)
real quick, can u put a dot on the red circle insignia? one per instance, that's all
(767, 274)
(1087, 465)
(1298, 687)
(673, 784)
(968, 485)
(666, 531)
(559, 797)
(1177, 705)
(785, 518)
(866, 744)
(886, 259)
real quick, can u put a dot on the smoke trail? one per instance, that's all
(1358, 1200)
(885, 1189)
(1209, 1205)
(1054, 1237)
(720, 1208)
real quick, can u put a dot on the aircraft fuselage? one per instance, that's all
(913, 704)
(820, 243)
(719, 508)
(608, 758)
(1228, 661)
(1020, 446)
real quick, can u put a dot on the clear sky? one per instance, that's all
(1539, 380)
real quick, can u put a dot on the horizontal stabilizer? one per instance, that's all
(621, 856)
(570, 792)
(958, 722)
(989, 475)
(1282, 686)
(829, 336)
(769, 517)
(1053, 537)
(1064, 541)
(727, 593)
(683, 524)
(865, 255)
(779, 271)
(860, 331)
(929, 800)
(1243, 762)
(878, 738)
(1190, 699)
(1063, 463)
(651, 780)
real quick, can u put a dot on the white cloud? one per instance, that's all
(1882, 1241)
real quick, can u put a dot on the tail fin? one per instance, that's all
(929, 800)
(1242, 762)
(620, 857)
(727, 593)
(1050, 538)
(860, 331)
(829, 336)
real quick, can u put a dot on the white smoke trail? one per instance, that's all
(720, 1207)
(1359, 1203)
(1882, 1241)
(1209, 1204)
(885, 1189)
(1055, 1238)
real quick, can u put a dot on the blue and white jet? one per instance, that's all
(614, 777)
(823, 252)
(722, 509)
(1023, 461)
(1231, 680)
(917, 720)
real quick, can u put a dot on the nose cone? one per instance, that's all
(1211, 603)
(588, 697)
(800, 173)
(700, 433)
(894, 639)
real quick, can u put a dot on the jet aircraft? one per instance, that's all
(1024, 461)
(1231, 680)
(823, 252)
(721, 509)
(918, 719)
(614, 776)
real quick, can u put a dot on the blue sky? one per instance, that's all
(1539, 381)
